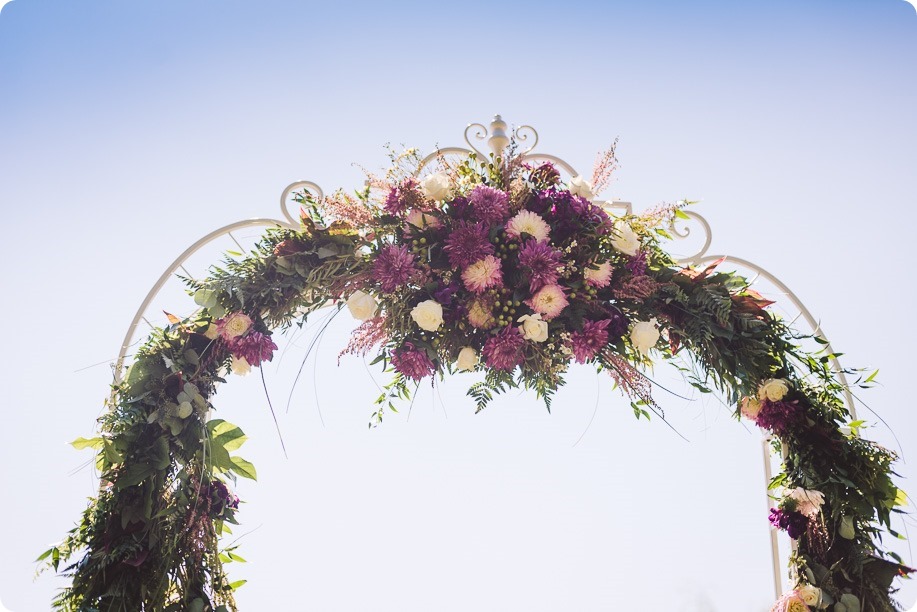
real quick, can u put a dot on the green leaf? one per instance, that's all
(238, 583)
(872, 377)
(111, 453)
(81, 443)
(243, 468)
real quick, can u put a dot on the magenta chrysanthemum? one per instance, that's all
(253, 347)
(483, 274)
(489, 205)
(412, 362)
(585, 344)
(504, 351)
(541, 261)
(393, 267)
(467, 243)
(549, 301)
(779, 417)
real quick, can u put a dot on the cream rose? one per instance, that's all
(581, 187)
(533, 328)
(467, 359)
(773, 389)
(625, 239)
(235, 325)
(810, 594)
(212, 332)
(436, 186)
(362, 305)
(239, 366)
(750, 408)
(428, 315)
(644, 335)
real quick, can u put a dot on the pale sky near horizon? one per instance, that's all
(128, 131)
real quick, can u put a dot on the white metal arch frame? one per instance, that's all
(497, 139)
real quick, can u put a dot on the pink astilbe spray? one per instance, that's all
(606, 163)
(368, 334)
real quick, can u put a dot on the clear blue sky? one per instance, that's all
(129, 130)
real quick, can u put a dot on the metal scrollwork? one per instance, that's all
(685, 232)
(523, 133)
(285, 198)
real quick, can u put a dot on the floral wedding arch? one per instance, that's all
(470, 261)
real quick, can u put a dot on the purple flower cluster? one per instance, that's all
(393, 267)
(489, 205)
(778, 417)
(412, 361)
(254, 347)
(585, 344)
(794, 523)
(504, 351)
(637, 264)
(541, 261)
(467, 243)
(401, 197)
(221, 498)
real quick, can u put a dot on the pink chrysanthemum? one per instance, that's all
(253, 347)
(393, 267)
(527, 222)
(541, 262)
(412, 362)
(549, 301)
(483, 274)
(504, 351)
(585, 344)
(480, 313)
(489, 205)
(467, 243)
(598, 277)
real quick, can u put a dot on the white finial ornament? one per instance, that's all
(498, 139)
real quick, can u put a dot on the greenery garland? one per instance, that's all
(489, 265)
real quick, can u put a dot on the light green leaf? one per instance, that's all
(81, 443)
(243, 468)
(238, 583)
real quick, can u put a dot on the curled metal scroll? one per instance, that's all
(480, 135)
(522, 134)
(285, 198)
(438, 154)
(685, 232)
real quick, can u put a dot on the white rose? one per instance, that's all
(362, 305)
(625, 239)
(581, 187)
(533, 328)
(240, 366)
(467, 359)
(810, 594)
(644, 335)
(773, 389)
(436, 186)
(428, 315)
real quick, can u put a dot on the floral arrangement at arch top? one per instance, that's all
(497, 266)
